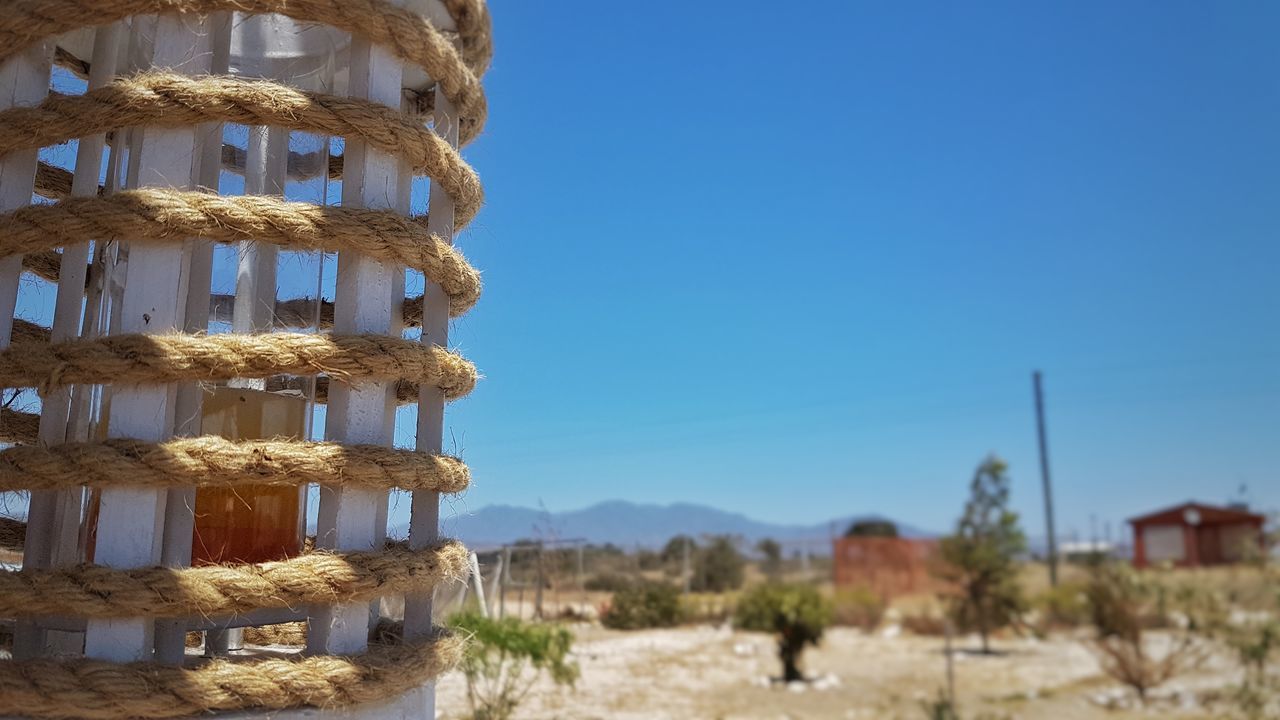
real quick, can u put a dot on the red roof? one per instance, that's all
(1209, 514)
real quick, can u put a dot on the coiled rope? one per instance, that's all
(89, 688)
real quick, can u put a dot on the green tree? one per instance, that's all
(796, 613)
(718, 567)
(872, 528)
(772, 553)
(673, 551)
(505, 657)
(979, 560)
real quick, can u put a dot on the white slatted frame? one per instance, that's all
(179, 512)
(363, 303)
(424, 523)
(54, 515)
(131, 520)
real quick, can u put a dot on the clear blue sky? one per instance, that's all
(802, 265)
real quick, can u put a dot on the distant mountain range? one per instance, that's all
(628, 524)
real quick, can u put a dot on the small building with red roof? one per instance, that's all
(1195, 534)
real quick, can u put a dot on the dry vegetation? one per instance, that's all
(1049, 668)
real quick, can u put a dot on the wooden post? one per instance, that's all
(494, 583)
(478, 582)
(1044, 476)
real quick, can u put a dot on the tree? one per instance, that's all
(796, 613)
(772, 552)
(872, 528)
(504, 658)
(979, 561)
(718, 567)
(673, 551)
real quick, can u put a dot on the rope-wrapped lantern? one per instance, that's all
(169, 452)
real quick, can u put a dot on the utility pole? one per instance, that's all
(686, 572)
(1044, 475)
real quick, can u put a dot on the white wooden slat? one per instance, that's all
(24, 80)
(424, 523)
(363, 302)
(130, 520)
(179, 513)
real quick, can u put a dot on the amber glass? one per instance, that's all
(253, 523)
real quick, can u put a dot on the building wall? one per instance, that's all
(1234, 539)
(887, 566)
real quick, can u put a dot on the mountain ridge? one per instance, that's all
(629, 524)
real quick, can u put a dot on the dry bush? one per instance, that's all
(644, 604)
(711, 608)
(859, 607)
(1134, 662)
(1124, 605)
(1062, 607)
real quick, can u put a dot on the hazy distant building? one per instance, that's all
(888, 566)
(1194, 534)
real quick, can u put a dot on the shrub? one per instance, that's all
(1064, 606)
(797, 614)
(713, 608)
(500, 655)
(1123, 605)
(859, 607)
(607, 582)
(1255, 643)
(644, 604)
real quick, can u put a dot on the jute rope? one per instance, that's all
(17, 426)
(410, 36)
(89, 688)
(292, 633)
(151, 359)
(98, 690)
(225, 590)
(160, 99)
(13, 534)
(27, 331)
(161, 215)
(46, 264)
(213, 461)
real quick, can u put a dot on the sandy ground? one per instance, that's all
(707, 672)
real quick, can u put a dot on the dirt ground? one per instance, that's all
(718, 673)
